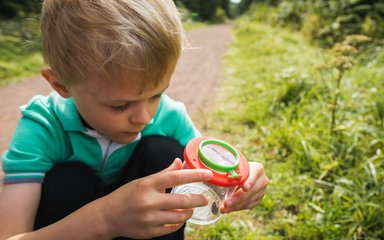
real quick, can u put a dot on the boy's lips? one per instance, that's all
(133, 132)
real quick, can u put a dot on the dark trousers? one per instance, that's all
(69, 186)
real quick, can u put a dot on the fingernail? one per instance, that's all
(208, 174)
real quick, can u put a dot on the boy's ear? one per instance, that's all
(57, 85)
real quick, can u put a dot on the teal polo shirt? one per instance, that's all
(51, 131)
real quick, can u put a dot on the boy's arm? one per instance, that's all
(18, 206)
(175, 117)
(139, 209)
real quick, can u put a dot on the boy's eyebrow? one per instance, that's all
(133, 100)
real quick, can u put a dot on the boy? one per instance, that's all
(93, 160)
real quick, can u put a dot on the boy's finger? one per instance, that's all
(169, 179)
(249, 182)
(254, 171)
(176, 165)
(183, 201)
(175, 216)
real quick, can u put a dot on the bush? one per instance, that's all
(328, 22)
(16, 8)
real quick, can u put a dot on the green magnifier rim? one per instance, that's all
(213, 165)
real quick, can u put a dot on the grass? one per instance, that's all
(191, 25)
(20, 55)
(275, 105)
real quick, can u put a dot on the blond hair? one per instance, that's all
(111, 38)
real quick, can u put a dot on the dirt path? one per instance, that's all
(195, 79)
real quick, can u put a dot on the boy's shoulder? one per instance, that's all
(41, 103)
(170, 110)
(53, 109)
(167, 104)
(172, 120)
(37, 103)
(39, 108)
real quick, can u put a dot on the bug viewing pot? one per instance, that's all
(230, 170)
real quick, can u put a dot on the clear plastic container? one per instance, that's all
(230, 169)
(211, 212)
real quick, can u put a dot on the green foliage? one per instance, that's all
(344, 55)
(276, 107)
(16, 8)
(204, 10)
(328, 22)
(214, 11)
(19, 49)
(220, 16)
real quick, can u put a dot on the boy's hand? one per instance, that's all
(142, 209)
(251, 193)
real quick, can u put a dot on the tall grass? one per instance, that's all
(276, 105)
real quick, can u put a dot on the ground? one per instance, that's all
(196, 77)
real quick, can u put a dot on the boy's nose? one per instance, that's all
(141, 114)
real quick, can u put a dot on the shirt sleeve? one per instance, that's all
(172, 120)
(34, 145)
(185, 129)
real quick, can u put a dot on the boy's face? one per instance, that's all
(118, 109)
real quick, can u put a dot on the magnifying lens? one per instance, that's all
(229, 167)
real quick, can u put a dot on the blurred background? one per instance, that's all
(302, 93)
(323, 21)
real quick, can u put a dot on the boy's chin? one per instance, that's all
(126, 139)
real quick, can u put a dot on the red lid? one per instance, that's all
(224, 178)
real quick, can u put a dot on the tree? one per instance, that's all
(14, 8)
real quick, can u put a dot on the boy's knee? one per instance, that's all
(71, 174)
(152, 154)
(67, 187)
(72, 179)
(160, 146)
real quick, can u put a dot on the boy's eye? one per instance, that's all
(120, 108)
(126, 106)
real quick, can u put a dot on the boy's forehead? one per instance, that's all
(127, 75)
(123, 87)
(138, 79)
(127, 96)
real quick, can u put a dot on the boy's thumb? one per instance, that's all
(176, 165)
